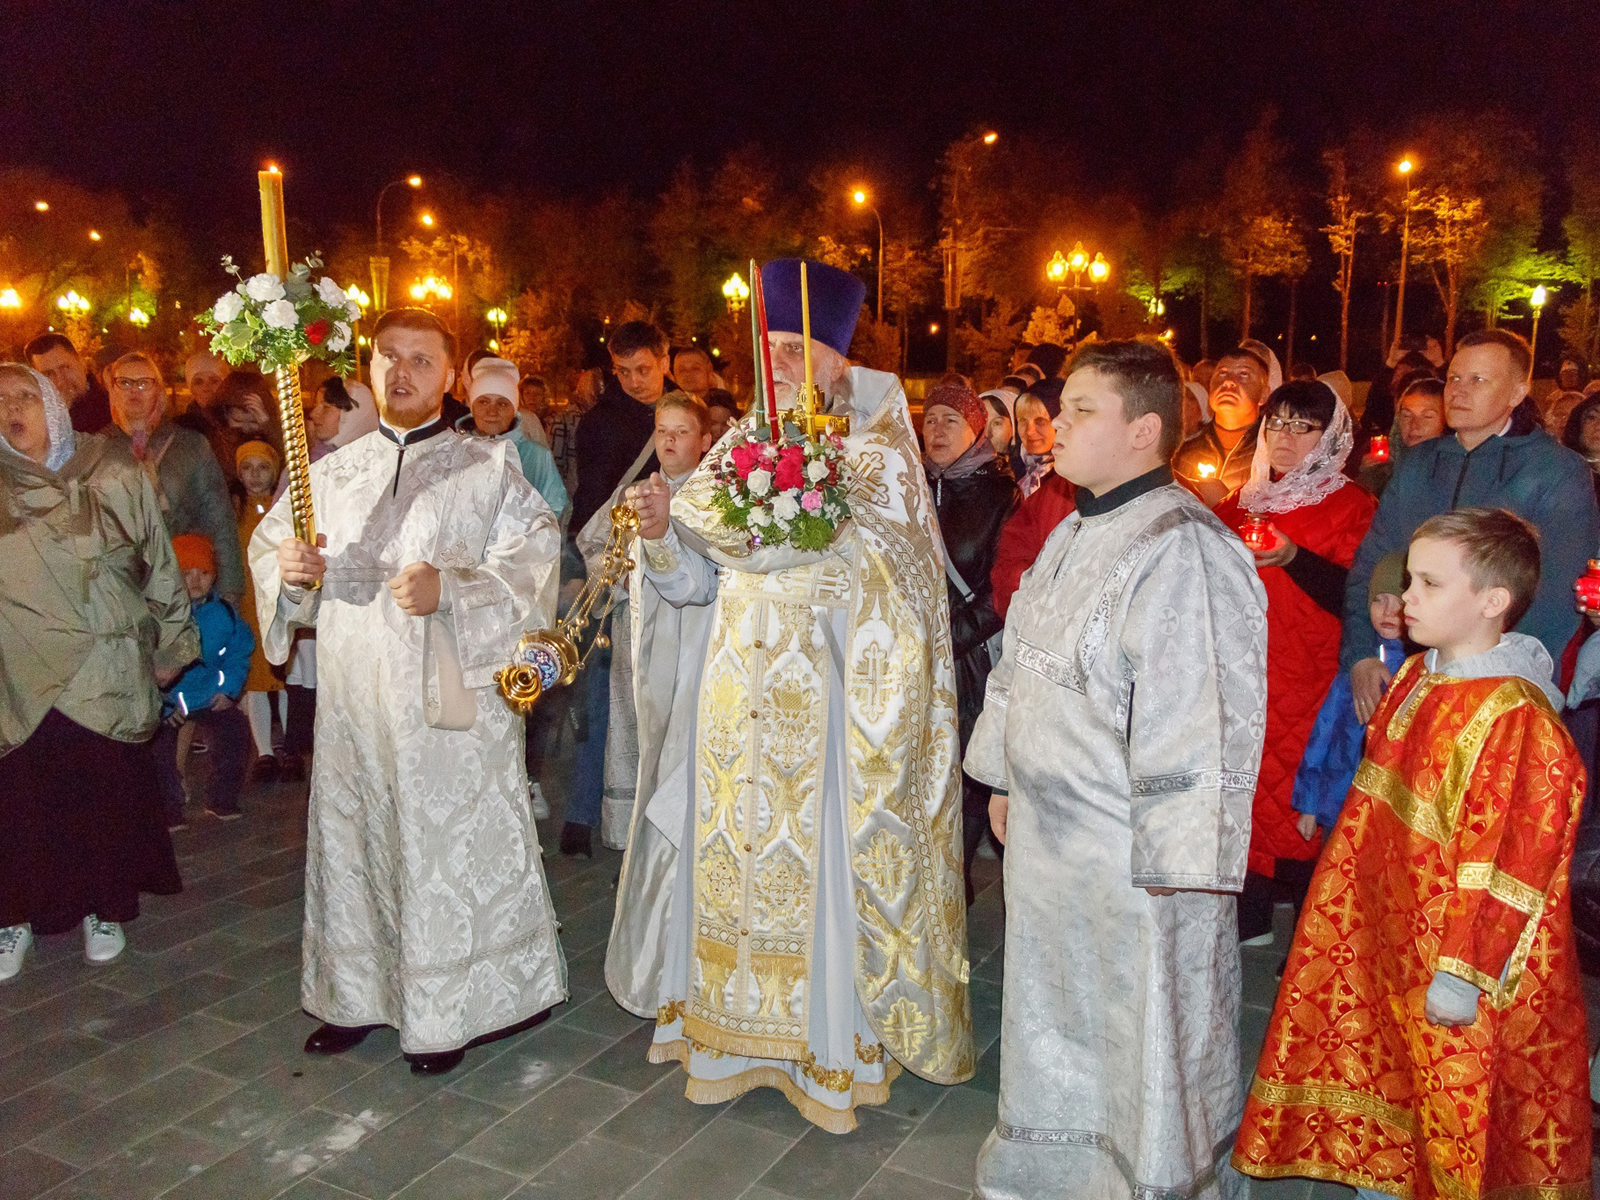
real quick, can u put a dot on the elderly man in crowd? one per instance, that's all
(55, 357)
(1499, 457)
(190, 487)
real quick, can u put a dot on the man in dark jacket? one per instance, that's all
(973, 495)
(622, 422)
(613, 448)
(54, 356)
(1497, 457)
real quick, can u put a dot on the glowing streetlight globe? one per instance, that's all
(41, 205)
(9, 298)
(1099, 268)
(1077, 260)
(1540, 296)
(497, 316)
(859, 196)
(414, 181)
(427, 219)
(138, 316)
(736, 291)
(71, 303)
(94, 235)
(990, 138)
(1056, 269)
(1405, 166)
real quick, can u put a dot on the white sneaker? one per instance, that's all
(102, 940)
(536, 801)
(14, 943)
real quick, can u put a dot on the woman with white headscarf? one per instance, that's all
(1315, 518)
(93, 615)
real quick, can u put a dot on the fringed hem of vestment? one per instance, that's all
(720, 1091)
(1581, 1190)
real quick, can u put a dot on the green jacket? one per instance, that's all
(193, 496)
(91, 599)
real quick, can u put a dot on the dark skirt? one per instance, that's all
(81, 829)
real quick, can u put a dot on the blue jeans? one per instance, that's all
(589, 769)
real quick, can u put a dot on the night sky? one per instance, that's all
(183, 101)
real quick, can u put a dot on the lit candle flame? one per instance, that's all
(1207, 470)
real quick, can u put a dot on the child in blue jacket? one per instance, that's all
(207, 693)
(1338, 736)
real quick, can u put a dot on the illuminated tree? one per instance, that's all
(1346, 213)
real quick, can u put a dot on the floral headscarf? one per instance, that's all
(57, 421)
(1319, 474)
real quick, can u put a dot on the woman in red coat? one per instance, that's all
(1314, 519)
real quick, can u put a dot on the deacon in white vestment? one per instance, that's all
(815, 935)
(668, 646)
(1125, 720)
(426, 902)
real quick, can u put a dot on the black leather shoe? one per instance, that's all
(435, 1064)
(336, 1039)
(577, 839)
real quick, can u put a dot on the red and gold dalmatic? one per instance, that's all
(1452, 853)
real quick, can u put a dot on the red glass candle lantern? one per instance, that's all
(1380, 448)
(1588, 587)
(1256, 533)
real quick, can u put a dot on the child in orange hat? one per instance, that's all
(207, 693)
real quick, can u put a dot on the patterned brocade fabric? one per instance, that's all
(1452, 854)
(866, 625)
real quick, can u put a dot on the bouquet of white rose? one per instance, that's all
(279, 323)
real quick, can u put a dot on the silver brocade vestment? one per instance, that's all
(1125, 719)
(426, 902)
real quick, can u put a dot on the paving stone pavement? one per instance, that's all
(177, 1071)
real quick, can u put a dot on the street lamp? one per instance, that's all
(41, 205)
(735, 291)
(427, 219)
(138, 316)
(73, 304)
(497, 317)
(1537, 301)
(1056, 270)
(951, 244)
(860, 198)
(9, 300)
(410, 181)
(1099, 269)
(1405, 166)
(379, 261)
(94, 235)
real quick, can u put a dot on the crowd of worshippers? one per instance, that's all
(152, 673)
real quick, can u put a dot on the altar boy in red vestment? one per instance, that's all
(1429, 1038)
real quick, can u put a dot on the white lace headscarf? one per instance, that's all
(1317, 476)
(57, 420)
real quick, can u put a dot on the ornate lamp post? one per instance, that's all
(1076, 264)
(497, 317)
(736, 292)
(1537, 302)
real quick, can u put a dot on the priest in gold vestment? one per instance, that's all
(816, 938)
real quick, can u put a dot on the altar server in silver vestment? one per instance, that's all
(1121, 734)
